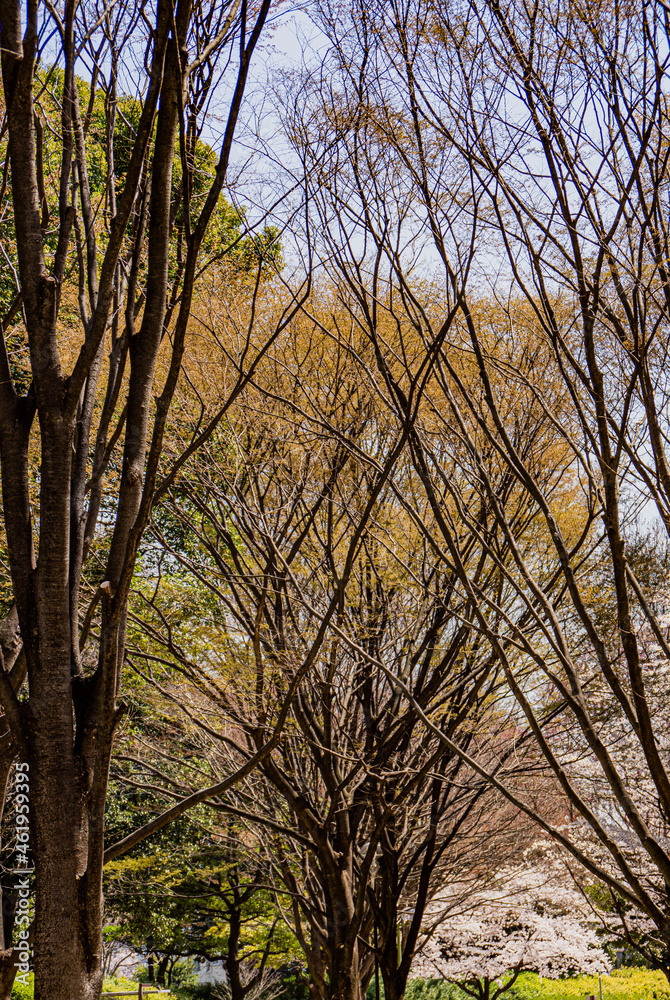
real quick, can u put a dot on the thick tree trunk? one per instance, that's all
(68, 945)
(67, 847)
(394, 985)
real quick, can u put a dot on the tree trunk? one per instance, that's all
(68, 874)
(162, 969)
(345, 981)
(395, 978)
(394, 986)
(232, 956)
(316, 965)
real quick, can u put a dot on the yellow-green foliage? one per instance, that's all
(631, 984)
(119, 984)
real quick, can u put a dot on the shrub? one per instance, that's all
(196, 991)
(294, 982)
(432, 989)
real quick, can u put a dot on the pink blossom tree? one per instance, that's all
(533, 919)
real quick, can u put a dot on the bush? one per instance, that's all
(196, 991)
(432, 989)
(294, 982)
(528, 987)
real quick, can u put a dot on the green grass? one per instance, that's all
(623, 984)
(119, 984)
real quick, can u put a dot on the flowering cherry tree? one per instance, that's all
(530, 920)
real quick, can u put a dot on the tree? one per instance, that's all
(557, 118)
(81, 409)
(534, 919)
(303, 540)
(206, 898)
(200, 886)
(440, 837)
